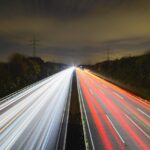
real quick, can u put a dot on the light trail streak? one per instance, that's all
(129, 116)
(125, 103)
(118, 95)
(143, 113)
(32, 119)
(135, 99)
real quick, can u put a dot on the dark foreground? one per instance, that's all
(75, 137)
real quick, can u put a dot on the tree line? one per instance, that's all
(21, 71)
(133, 72)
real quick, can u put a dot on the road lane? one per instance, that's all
(121, 119)
(127, 104)
(33, 118)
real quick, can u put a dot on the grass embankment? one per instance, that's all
(131, 73)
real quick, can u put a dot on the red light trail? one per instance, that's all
(120, 118)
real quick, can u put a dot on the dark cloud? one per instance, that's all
(60, 8)
(75, 30)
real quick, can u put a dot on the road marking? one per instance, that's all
(115, 129)
(143, 112)
(104, 86)
(86, 118)
(138, 127)
(91, 92)
(102, 91)
(118, 95)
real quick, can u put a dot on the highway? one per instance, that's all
(113, 119)
(33, 118)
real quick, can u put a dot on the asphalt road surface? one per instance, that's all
(33, 118)
(113, 118)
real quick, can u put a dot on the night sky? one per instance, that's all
(75, 31)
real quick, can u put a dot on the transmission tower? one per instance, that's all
(108, 54)
(34, 46)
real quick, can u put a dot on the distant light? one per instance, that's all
(74, 67)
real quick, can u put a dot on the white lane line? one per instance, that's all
(102, 91)
(104, 86)
(138, 127)
(115, 129)
(143, 112)
(118, 95)
(86, 118)
(91, 92)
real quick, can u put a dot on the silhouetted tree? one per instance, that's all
(21, 71)
(132, 71)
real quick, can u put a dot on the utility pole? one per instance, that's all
(34, 46)
(108, 55)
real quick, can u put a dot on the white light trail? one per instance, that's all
(32, 118)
